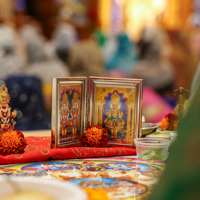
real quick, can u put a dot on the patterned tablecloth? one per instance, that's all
(123, 178)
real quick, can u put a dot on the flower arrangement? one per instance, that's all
(94, 136)
(98, 194)
(169, 122)
(12, 142)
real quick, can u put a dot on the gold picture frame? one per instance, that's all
(68, 111)
(115, 104)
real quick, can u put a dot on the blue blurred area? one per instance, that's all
(20, 5)
(27, 98)
(124, 56)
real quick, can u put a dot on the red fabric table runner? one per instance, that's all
(38, 149)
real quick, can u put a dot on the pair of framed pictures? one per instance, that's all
(112, 103)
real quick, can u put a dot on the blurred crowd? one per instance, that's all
(29, 61)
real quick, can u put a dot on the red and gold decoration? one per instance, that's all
(6, 116)
(95, 136)
(170, 122)
(38, 150)
(12, 142)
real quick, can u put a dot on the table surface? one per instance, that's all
(122, 177)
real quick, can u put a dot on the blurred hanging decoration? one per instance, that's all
(20, 5)
(117, 15)
(111, 15)
(11, 141)
(72, 10)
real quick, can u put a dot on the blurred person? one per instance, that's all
(86, 59)
(12, 57)
(180, 180)
(110, 46)
(195, 43)
(183, 57)
(29, 23)
(40, 65)
(34, 42)
(194, 18)
(124, 57)
(195, 82)
(195, 48)
(20, 20)
(38, 62)
(153, 67)
(64, 38)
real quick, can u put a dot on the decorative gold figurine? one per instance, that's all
(182, 94)
(6, 116)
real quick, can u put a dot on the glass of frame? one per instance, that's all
(68, 111)
(115, 104)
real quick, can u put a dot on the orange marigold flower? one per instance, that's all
(98, 194)
(170, 122)
(164, 124)
(95, 136)
(12, 142)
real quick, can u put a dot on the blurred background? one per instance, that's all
(156, 40)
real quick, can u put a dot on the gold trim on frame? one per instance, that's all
(58, 84)
(100, 87)
(74, 128)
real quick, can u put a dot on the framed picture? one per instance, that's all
(115, 104)
(68, 111)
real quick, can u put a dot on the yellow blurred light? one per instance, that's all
(141, 14)
(121, 2)
(105, 14)
(138, 14)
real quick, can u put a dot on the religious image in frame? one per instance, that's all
(70, 108)
(68, 111)
(115, 104)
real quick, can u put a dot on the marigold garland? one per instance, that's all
(12, 142)
(170, 122)
(94, 136)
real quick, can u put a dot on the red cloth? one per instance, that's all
(38, 149)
